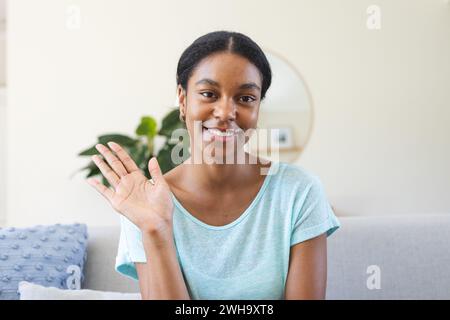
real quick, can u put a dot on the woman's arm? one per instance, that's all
(148, 205)
(307, 275)
(161, 278)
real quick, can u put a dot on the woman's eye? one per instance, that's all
(247, 99)
(207, 94)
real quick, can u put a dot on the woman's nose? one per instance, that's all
(225, 111)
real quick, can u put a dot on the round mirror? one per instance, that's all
(285, 116)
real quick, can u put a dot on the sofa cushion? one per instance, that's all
(31, 291)
(51, 255)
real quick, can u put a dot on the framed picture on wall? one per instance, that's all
(282, 137)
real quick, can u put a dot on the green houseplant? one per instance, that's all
(141, 146)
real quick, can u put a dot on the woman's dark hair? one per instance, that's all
(223, 41)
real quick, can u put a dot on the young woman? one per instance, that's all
(215, 229)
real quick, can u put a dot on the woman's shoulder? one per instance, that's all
(293, 174)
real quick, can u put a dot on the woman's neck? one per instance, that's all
(223, 177)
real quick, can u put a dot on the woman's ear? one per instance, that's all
(181, 94)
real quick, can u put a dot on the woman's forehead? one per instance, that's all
(226, 69)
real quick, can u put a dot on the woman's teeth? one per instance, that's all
(220, 133)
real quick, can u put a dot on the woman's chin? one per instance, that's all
(214, 152)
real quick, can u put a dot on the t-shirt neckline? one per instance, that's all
(241, 217)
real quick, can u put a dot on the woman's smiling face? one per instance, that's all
(223, 94)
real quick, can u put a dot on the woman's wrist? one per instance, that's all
(158, 238)
(156, 229)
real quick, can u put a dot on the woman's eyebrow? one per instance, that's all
(208, 81)
(250, 85)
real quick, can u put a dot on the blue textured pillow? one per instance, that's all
(52, 256)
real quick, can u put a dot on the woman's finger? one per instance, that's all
(107, 172)
(112, 160)
(155, 170)
(104, 191)
(129, 164)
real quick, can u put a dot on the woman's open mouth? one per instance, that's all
(219, 135)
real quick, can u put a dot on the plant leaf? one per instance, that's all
(89, 152)
(93, 172)
(147, 127)
(142, 157)
(170, 123)
(105, 182)
(93, 169)
(165, 157)
(121, 139)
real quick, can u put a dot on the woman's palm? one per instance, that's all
(148, 205)
(135, 194)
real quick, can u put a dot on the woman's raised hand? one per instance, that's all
(148, 205)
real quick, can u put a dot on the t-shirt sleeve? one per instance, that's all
(313, 214)
(130, 249)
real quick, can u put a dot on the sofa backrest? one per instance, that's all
(409, 253)
(375, 257)
(101, 257)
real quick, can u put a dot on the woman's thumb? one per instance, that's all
(155, 170)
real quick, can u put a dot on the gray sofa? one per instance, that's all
(376, 257)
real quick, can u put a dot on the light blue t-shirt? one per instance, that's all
(249, 257)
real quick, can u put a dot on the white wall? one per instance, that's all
(2, 113)
(380, 141)
(2, 156)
